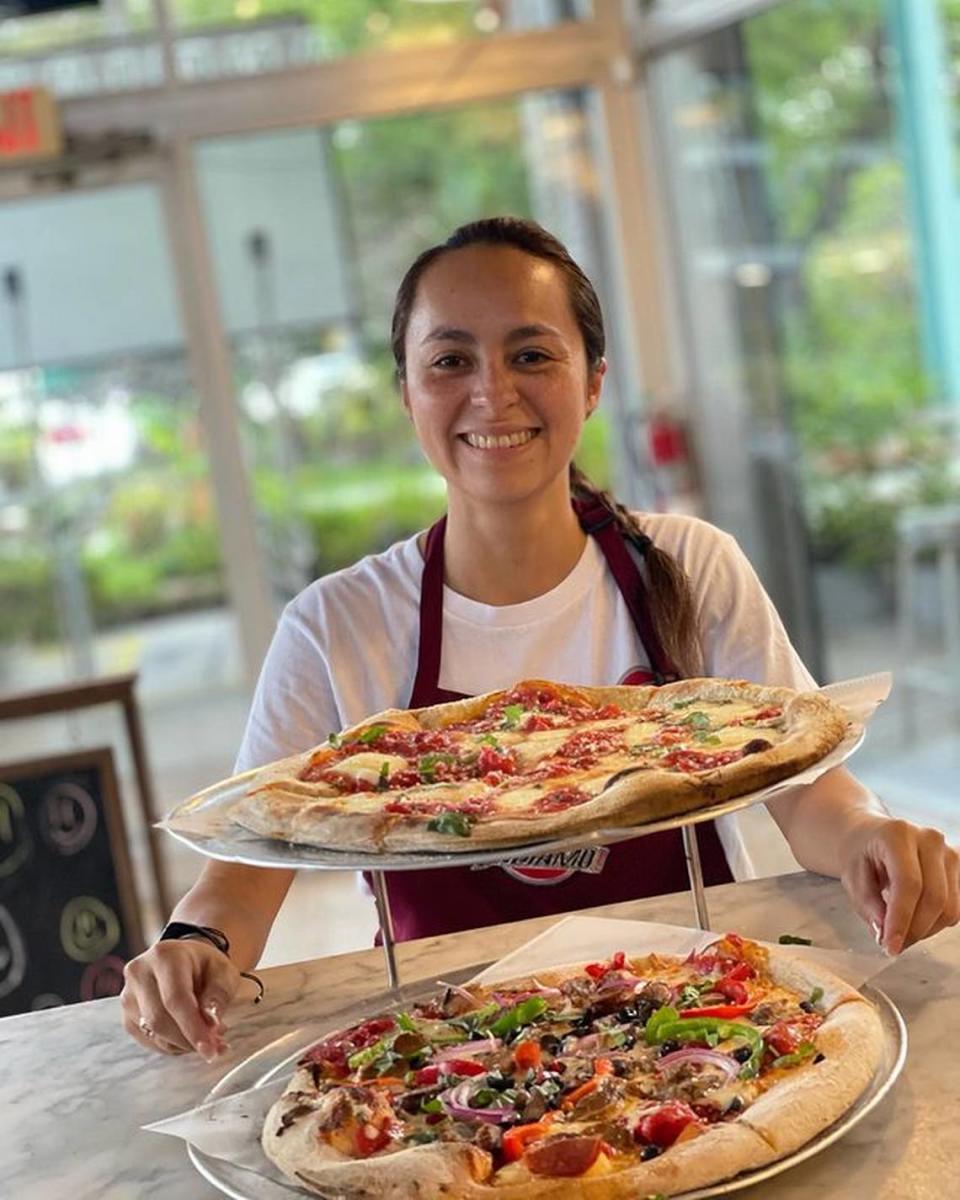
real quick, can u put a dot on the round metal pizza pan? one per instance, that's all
(229, 843)
(277, 1059)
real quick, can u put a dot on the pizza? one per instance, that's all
(538, 760)
(623, 1078)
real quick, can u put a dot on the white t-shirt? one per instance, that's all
(346, 646)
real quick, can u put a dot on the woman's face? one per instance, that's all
(497, 383)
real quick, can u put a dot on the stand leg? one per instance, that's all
(386, 926)
(692, 852)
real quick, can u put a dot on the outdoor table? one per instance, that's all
(75, 1089)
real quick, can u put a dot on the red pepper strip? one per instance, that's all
(601, 1067)
(598, 970)
(515, 1140)
(527, 1054)
(724, 1012)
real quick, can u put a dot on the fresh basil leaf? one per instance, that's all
(707, 739)
(383, 779)
(489, 740)
(450, 822)
(511, 715)
(816, 995)
(427, 765)
(696, 720)
(371, 734)
(334, 740)
(421, 1137)
(791, 939)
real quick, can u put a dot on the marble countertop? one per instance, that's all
(78, 1089)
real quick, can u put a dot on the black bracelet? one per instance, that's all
(184, 929)
(176, 930)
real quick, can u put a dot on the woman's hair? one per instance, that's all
(671, 598)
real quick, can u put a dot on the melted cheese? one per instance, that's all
(367, 766)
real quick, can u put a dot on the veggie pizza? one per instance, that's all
(611, 1079)
(539, 760)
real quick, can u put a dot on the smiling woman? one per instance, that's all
(532, 574)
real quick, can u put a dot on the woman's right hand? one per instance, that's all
(174, 997)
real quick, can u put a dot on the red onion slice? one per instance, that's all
(697, 1054)
(467, 1049)
(456, 1102)
(460, 991)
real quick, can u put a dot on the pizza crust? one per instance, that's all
(812, 1097)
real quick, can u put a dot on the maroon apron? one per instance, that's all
(428, 902)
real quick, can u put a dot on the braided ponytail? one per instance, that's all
(671, 598)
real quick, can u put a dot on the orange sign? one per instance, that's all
(29, 125)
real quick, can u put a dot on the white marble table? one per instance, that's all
(75, 1090)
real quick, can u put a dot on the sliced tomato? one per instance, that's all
(563, 1156)
(664, 1125)
(426, 1076)
(733, 989)
(463, 1066)
(370, 1137)
(785, 1037)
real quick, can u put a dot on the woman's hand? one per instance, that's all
(903, 880)
(175, 994)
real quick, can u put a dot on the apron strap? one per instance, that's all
(599, 520)
(426, 683)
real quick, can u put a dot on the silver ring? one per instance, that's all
(144, 1027)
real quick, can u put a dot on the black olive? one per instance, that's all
(620, 1066)
(669, 1046)
(735, 1105)
(649, 1152)
(550, 1042)
(741, 1054)
(627, 1014)
(806, 1006)
(644, 1009)
(819, 1058)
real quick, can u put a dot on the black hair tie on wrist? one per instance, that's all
(178, 930)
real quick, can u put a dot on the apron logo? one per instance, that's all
(636, 676)
(549, 869)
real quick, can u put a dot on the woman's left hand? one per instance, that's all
(904, 880)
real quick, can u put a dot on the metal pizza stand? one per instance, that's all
(202, 823)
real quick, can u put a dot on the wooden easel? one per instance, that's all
(113, 689)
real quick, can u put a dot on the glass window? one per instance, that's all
(804, 212)
(110, 556)
(312, 231)
(114, 47)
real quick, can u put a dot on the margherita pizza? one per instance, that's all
(607, 1080)
(539, 760)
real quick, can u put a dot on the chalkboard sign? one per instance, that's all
(68, 913)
